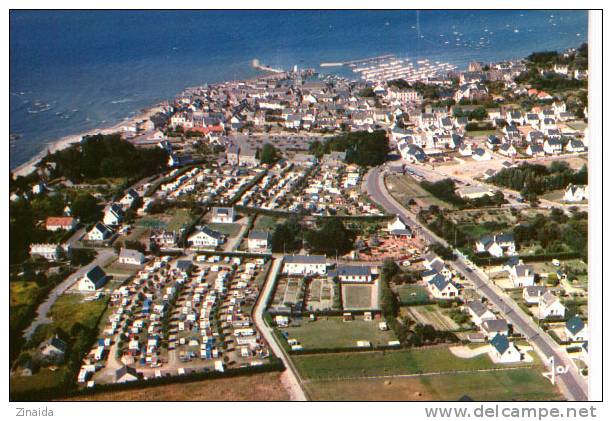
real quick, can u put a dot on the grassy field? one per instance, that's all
(357, 297)
(379, 363)
(22, 295)
(68, 310)
(332, 332)
(524, 384)
(404, 187)
(173, 219)
(412, 294)
(44, 378)
(229, 230)
(259, 387)
(267, 223)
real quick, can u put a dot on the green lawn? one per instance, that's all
(332, 332)
(412, 294)
(378, 363)
(179, 218)
(229, 230)
(523, 384)
(267, 223)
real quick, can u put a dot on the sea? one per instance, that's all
(75, 71)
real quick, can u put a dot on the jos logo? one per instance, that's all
(555, 369)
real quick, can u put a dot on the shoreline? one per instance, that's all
(65, 142)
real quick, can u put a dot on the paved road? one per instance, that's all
(290, 377)
(572, 384)
(41, 313)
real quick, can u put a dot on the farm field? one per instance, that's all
(332, 332)
(404, 187)
(258, 387)
(502, 385)
(432, 315)
(360, 297)
(379, 363)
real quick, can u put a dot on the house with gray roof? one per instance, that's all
(351, 273)
(131, 257)
(303, 264)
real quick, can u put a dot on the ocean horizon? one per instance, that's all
(74, 71)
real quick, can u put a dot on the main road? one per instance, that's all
(290, 377)
(571, 383)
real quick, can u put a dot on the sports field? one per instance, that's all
(332, 332)
(360, 297)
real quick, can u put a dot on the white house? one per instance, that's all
(442, 288)
(553, 146)
(131, 257)
(113, 215)
(492, 327)
(534, 150)
(205, 237)
(129, 198)
(223, 215)
(574, 193)
(550, 306)
(532, 294)
(480, 154)
(305, 265)
(398, 228)
(522, 276)
(575, 145)
(479, 312)
(259, 241)
(576, 330)
(497, 245)
(504, 351)
(350, 273)
(126, 374)
(92, 280)
(99, 232)
(51, 252)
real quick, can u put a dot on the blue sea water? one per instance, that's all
(73, 71)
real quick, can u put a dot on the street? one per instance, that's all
(290, 377)
(571, 383)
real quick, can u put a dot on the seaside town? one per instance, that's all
(418, 233)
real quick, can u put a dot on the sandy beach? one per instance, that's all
(65, 142)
